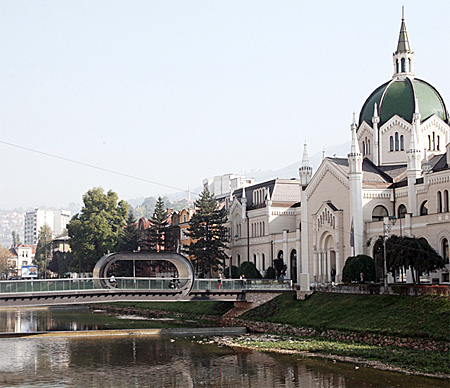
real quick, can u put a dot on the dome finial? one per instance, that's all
(403, 42)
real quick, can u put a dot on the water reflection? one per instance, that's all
(144, 361)
(46, 319)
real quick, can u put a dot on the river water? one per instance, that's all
(157, 361)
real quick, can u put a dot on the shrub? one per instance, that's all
(234, 272)
(354, 265)
(270, 273)
(248, 269)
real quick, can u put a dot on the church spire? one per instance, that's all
(403, 42)
(305, 171)
(403, 57)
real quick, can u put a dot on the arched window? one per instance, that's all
(239, 260)
(437, 143)
(403, 65)
(402, 143)
(379, 212)
(396, 142)
(445, 251)
(429, 142)
(263, 262)
(254, 259)
(424, 208)
(368, 147)
(398, 66)
(401, 211)
(445, 207)
(409, 65)
(439, 202)
(391, 144)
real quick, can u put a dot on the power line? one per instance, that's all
(93, 166)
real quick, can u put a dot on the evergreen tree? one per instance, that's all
(43, 248)
(15, 238)
(206, 228)
(159, 226)
(129, 238)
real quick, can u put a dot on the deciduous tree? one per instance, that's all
(43, 249)
(95, 231)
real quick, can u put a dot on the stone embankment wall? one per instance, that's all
(373, 339)
(377, 289)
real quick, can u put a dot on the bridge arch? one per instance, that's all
(184, 267)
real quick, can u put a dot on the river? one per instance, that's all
(158, 361)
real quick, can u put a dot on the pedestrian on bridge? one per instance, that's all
(219, 281)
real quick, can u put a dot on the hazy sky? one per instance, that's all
(177, 91)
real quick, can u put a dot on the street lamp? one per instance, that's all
(388, 223)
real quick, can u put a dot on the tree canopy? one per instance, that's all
(130, 235)
(209, 234)
(413, 253)
(96, 230)
(158, 230)
(43, 248)
(355, 265)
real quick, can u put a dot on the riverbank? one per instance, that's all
(408, 334)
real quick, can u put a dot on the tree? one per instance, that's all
(15, 238)
(43, 249)
(355, 265)
(250, 271)
(130, 235)
(209, 235)
(61, 263)
(279, 266)
(159, 226)
(96, 230)
(412, 253)
(5, 268)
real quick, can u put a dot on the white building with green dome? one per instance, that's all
(398, 169)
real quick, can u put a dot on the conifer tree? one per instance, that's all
(206, 228)
(159, 226)
(129, 238)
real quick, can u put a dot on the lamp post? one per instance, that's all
(388, 223)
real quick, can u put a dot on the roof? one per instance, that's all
(403, 42)
(397, 97)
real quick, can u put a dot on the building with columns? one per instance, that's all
(398, 169)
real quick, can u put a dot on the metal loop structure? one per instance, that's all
(184, 267)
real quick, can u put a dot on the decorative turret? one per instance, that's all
(413, 169)
(355, 180)
(244, 204)
(375, 121)
(305, 171)
(403, 57)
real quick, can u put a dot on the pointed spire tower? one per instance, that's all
(355, 179)
(305, 171)
(403, 57)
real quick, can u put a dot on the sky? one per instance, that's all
(168, 93)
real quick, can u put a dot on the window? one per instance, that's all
(379, 212)
(439, 202)
(184, 218)
(396, 142)
(254, 259)
(391, 144)
(445, 251)
(402, 143)
(263, 262)
(401, 211)
(445, 205)
(424, 208)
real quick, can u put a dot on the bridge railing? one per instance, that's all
(49, 285)
(237, 284)
(77, 284)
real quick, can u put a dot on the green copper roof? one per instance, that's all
(397, 97)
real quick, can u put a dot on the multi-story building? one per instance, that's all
(57, 220)
(398, 169)
(223, 185)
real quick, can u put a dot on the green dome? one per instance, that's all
(396, 97)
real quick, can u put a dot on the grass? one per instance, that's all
(425, 317)
(411, 360)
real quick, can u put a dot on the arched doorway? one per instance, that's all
(294, 266)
